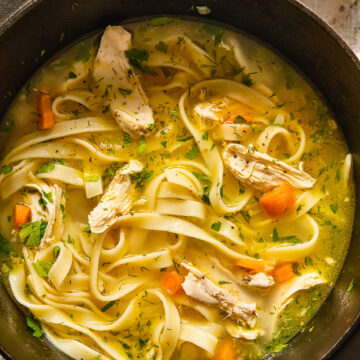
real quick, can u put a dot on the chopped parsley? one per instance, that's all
(43, 267)
(136, 57)
(290, 239)
(125, 91)
(110, 171)
(127, 139)
(201, 176)
(239, 120)
(45, 168)
(48, 195)
(72, 75)
(351, 285)
(245, 214)
(334, 207)
(246, 79)
(6, 169)
(141, 178)
(33, 232)
(216, 226)
(56, 252)
(165, 71)
(192, 153)
(175, 113)
(184, 139)
(337, 175)
(87, 229)
(223, 282)
(37, 332)
(161, 46)
(108, 306)
(241, 188)
(148, 70)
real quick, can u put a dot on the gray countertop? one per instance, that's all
(344, 17)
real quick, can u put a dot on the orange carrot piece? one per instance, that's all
(238, 113)
(237, 117)
(225, 350)
(171, 282)
(278, 201)
(283, 272)
(22, 215)
(254, 265)
(46, 120)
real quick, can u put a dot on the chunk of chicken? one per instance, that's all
(210, 112)
(45, 206)
(117, 200)
(200, 288)
(261, 171)
(260, 280)
(119, 85)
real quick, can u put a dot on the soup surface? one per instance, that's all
(172, 190)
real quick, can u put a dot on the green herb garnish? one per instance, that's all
(92, 178)
(6, 169)
(43, 267)
(108, 306)
(33, 232)
(192, 153)
(216, 226)
(46, 168)
(37, 332)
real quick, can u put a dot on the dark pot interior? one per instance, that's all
(287, 26)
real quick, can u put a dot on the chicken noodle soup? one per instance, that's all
(172, 190)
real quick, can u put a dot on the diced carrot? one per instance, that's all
(22, 215)
(225, 350)
(237, 117)
(46, 120)
(171, 282)
(283, 272)
(238, 113)
(255, 265)
(278, 201)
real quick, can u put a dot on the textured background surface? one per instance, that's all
(344, 17)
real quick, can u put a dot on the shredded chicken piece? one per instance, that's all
(50, 196)
(117, 200)
(260, 280)
(200, 288)
(209, 112)
(119, 85)
(261, 171)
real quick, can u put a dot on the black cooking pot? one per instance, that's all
(39, 28)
